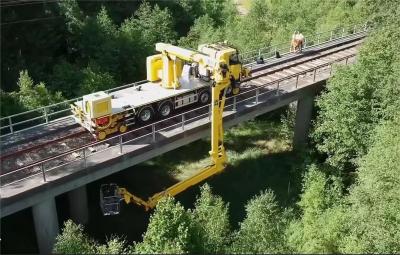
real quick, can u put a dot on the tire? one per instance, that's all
(204, 97)
(146, 114)
(101, 135)
(165, 109)
(123, 128)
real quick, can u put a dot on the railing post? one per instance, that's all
(346, 61)
(342, 32)
(43, 172)
(330, 39)
(11, 125)
(305, 42)
(354, 29)
(120, 143)
(297, 80)
(234, 104)
(318, 37)
(257, 93)
(183, 121)
(153, 132)
(330, 71)
(315, 73)
(84, 157)
(46, 117)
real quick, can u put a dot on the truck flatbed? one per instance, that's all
(147, 93)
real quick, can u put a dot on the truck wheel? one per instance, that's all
(101, 135)
(204, 97)
(145, 114)
(123, 128)
(165, 109)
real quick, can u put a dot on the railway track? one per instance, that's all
(23, 155)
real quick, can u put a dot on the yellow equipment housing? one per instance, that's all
(97, 105)
(167, 66)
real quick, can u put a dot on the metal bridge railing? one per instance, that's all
(55, 112)
(149, 134)
(269, 52)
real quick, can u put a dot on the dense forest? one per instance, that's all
(60, 50)
(349, 195)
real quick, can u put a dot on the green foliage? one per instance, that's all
(65, 78)
(73, 15)
(271, 22)
(358, 98)
(9, 104)
(32, 96)
(72, 240)
(155, 24)
(203, 31)
(262, 231)
(168, 230)
(320, 227)
(210, 220)
(374, 203)
(95, 81)
(114, 245)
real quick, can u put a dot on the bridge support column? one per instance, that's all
(79, 210)
(303, 121)
(46, 224)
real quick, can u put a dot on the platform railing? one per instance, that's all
(43, 116)
(143, 136)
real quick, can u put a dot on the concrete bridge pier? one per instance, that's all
(46, 224)
(303, 121)
(78, 204)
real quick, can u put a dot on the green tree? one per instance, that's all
(73, 240)
(155, 24)
(95, 80)
(373, 215)
(203, 31)
(210, 220)
(33, 96)
(262, 231)
(168, 230)
(66, 78)
(114, 245)
(9, 104)
(321, 225)
(358, 98)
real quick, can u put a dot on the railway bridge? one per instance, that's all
(45, 155)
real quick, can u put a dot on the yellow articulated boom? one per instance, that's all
(111, 194)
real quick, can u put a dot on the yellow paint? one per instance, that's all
(101, 135)
(123, 128)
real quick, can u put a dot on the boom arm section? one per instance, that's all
(221, 76)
